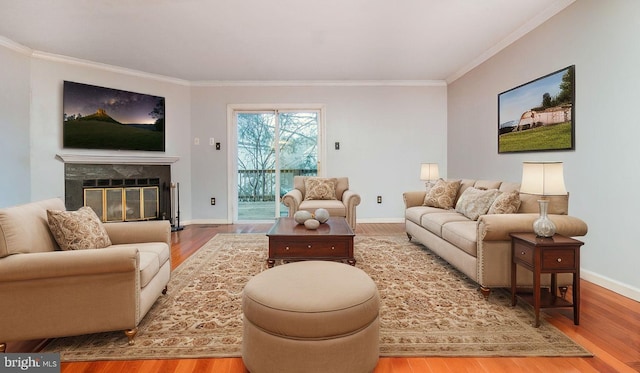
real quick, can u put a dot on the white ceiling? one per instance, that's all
(272, 40)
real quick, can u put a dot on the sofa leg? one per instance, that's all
(409, 236)
(3, 347)
(485, 292)
(164, 291)
(131, 334)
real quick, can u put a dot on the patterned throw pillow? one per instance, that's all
(506, 203)
(320, 188)
(443, 194)
(77, 230)
(475, 202)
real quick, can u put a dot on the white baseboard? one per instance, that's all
(613, 285)
(205, 221)
(380, 220)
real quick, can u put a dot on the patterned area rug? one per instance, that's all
(428, 308)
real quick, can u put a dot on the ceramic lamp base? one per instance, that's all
(543, 226)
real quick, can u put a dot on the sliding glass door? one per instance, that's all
(272, 147)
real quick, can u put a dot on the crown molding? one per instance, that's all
(319, 83)
(102, 66)
(529, 26)
(10, 44)
(216, 83)
(116, 159)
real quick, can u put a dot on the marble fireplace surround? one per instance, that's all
(83, 170)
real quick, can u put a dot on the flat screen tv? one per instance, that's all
(106, 118)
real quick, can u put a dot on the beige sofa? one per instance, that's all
(481, 249)
(344, 204)
(46, 292)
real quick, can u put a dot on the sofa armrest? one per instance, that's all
(496, 227)
(57, 264)
(139, 231)
(292, 200)
(413, 198)
(350, 199)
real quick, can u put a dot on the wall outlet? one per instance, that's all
(337, 145)
(196, 141)
(379, 199)
(213, 201)
(217, 146)
(212, 141)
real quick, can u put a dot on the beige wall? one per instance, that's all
(46, 81)
(14, 127)
(385, 129)
(599, 37)
(385, 132)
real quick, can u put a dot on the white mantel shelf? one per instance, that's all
(116, 159)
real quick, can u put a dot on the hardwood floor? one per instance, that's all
(610, 329)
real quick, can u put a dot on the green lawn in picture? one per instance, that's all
(92, 134)
(555, 137)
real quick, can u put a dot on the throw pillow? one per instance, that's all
(320, 188)
(475, 202)
(76, 230)
(442, 194)
(506, 203)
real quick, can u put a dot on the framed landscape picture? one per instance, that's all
(106, 118)
(538, 115)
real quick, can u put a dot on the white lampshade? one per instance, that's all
(543, 178)
(429, 171)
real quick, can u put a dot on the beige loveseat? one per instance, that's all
(46, 292)
(481, 248)
(341, 202)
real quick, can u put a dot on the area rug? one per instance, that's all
(428, 308)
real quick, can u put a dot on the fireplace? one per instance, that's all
(120, 192)
(123, 203)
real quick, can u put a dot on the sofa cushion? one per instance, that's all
(77, 230)
(153, 255)
(487, 184)
(415, 213)
(434, 222)
(505, 203)
(462, 234)
(160, 249)
(334, 207)
(148, 267)
(507, 186)
(320, 188)
(557, 204)
(464, 184)
(442, 194)
(475, 202)
(24, 228)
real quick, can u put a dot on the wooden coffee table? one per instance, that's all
(289, 241)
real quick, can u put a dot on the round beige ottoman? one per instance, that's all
(311, 316)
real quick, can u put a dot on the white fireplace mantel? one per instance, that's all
(116, 159)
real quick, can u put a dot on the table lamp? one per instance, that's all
(429, 173)
(543, 179)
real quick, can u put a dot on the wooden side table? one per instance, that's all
(557, 254)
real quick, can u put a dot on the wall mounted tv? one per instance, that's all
(106, 118)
